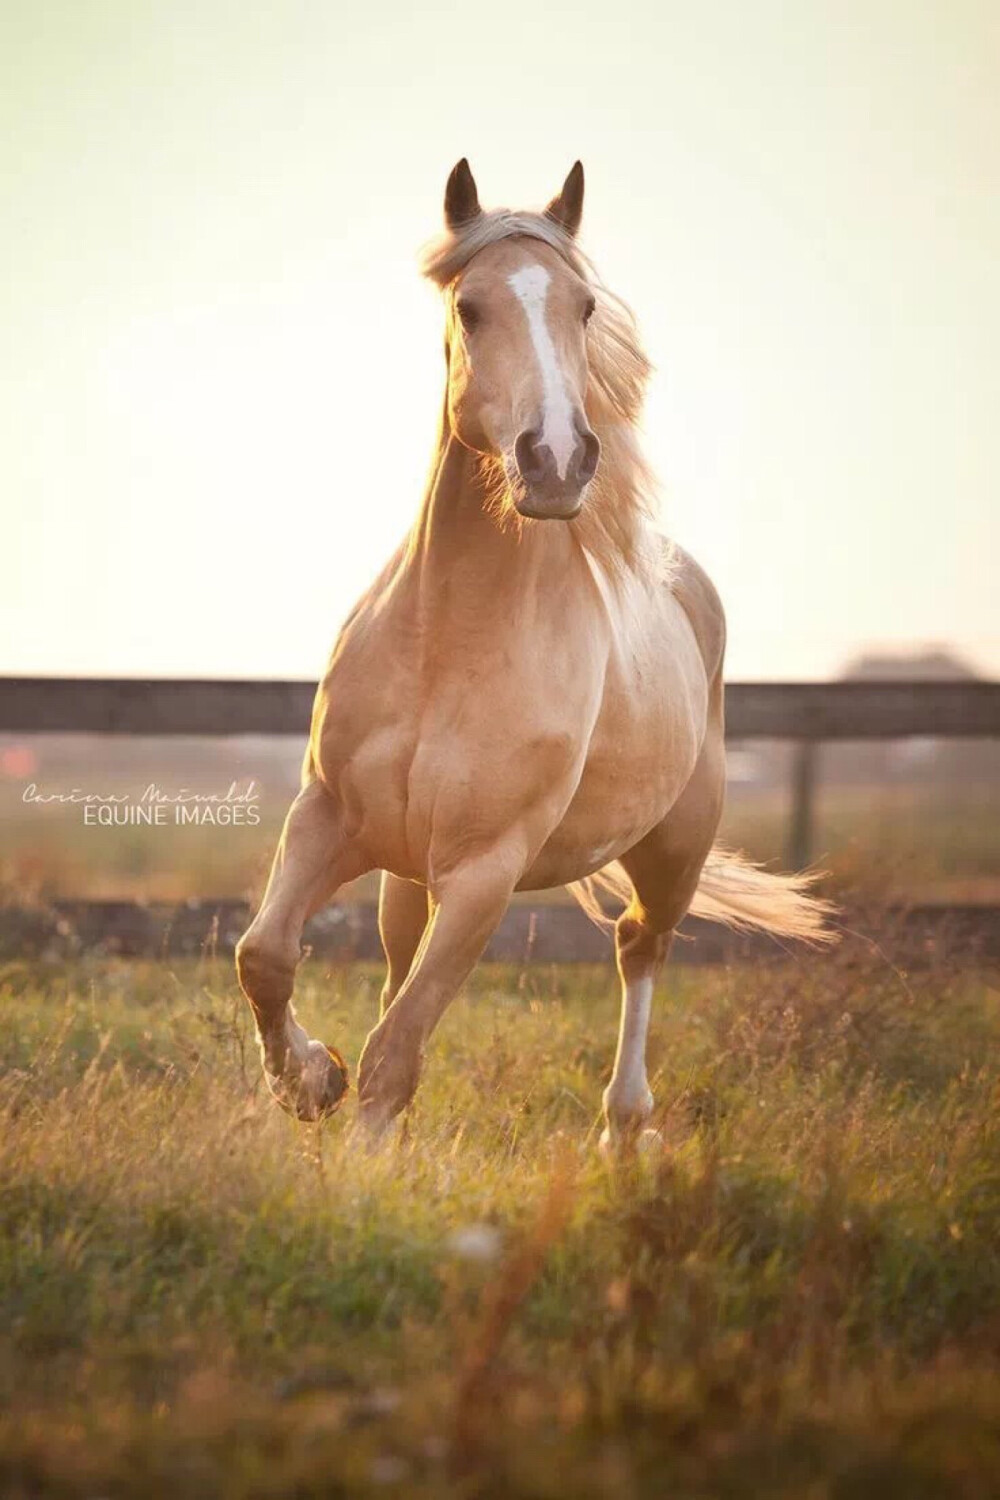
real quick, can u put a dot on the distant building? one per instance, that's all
(913, 761)
(762, 765)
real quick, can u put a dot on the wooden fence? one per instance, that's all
(804, 712)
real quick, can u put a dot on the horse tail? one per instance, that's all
(611, 881)
(734, 891)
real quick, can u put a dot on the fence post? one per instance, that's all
(800, 831)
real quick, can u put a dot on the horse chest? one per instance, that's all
(447, 763)
(582, 751)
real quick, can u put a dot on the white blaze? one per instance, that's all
(530, 285)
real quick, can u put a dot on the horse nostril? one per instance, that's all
(591, 454)
(530, 458)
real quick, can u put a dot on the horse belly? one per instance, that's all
(642, 755)
(606, 818)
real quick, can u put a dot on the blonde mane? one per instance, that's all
(614, 525)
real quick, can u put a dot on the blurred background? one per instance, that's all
(220, 371)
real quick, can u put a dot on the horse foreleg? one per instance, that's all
(467, 909)
(403, 911)
(307, 1078)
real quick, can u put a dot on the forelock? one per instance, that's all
(447, 257)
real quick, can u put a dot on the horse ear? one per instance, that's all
(567, 207)
(461, 201)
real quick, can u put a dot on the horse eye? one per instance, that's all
(588, 311)
(468, 315)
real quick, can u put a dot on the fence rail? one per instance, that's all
(346, 932)
(754, 710)
(806, 712)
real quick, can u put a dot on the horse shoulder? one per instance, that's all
(698, 597)
(370, 675)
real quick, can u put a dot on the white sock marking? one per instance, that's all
(530, 285)
(628, 1091)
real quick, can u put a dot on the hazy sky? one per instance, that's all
(220, 372)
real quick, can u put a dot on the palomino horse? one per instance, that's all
(530, 692)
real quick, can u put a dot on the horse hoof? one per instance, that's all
(320, 1089)
(641, 1143)
(327, 1095)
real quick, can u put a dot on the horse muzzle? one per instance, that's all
(542, 493)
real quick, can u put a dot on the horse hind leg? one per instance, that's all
(403, 911)
(640, 952)
(306, 1077)
(664, 870)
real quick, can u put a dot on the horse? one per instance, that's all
(530, 694)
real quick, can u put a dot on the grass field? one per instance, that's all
(797, 1296)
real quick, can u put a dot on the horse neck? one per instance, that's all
(459, 554)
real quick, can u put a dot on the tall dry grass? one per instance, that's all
(799, 1294)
